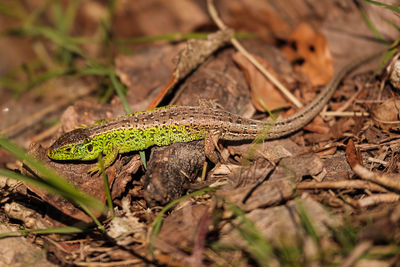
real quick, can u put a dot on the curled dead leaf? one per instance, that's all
(387, 114)
(311, 47)
(263, 93)
(353, 154)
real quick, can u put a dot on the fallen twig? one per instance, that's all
(345, 184)
(388, 180)
(377, 199)
(214, 15)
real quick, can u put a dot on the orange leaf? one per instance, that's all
(353, 155)
(261, 90)
(312, 48)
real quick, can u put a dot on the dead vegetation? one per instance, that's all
(328, 194)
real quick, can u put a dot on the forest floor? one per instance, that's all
(327, 194)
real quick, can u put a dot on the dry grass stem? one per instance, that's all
(215, 17)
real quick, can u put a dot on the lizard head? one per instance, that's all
(73, 145)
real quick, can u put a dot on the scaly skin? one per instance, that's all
(172, 124)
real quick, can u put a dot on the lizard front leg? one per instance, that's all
(210, 145)
(109, 157)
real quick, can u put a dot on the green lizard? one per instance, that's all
(172, 124)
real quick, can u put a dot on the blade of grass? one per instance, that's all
(65, 18)
(255, 145)
(175, 37)
(53, 35)
(306, 222)
(395, 26)
(258, 246)
(390, 7)
(56, 230)
(385, 58)
(372, 27)
(35, 14)
(51, 189)
(95, 70)
(52, 178)
(89, 212)
(119, 89)
(345, 235)
(35, 182)
(47, 76)
(106, 186)
(13, 10)
(157, 223)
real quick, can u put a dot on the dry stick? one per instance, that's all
(350, 100)
(345, 113)
(357, 252)
(214, 15)
(378, 198)
(110, 264)
(392, 182)
(345, 184)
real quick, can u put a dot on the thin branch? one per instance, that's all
(215, 17)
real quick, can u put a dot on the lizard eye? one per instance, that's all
(90, 147)
(67, 149)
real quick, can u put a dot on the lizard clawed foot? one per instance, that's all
(95, 169)
(211, 145)
(109, 158)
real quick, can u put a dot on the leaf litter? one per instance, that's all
(283, 189)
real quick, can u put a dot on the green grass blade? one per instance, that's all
(258, 246)
(372, 27)
(70, 15)
(52, 178)
(47, 76)
(157, 223)
(89, 212)
(175, 37)
(49, 33)
(106, 186)
(306, 222)
(35, 14)
(13, 10)
(43, 185)
(35, 182)
(56, 230)
(119, 89)
(390, 7)
(94, 70)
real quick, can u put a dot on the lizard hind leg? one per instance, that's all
(209, 103)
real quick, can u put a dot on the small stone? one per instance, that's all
(395, 75)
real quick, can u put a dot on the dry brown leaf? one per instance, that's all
(312, 47)
(389, 180)
(265, 21)
(146, 71)
(260, 87)
(353, 155)
(387, 114)
(194, 54)
(317, 125)
(155, 17)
